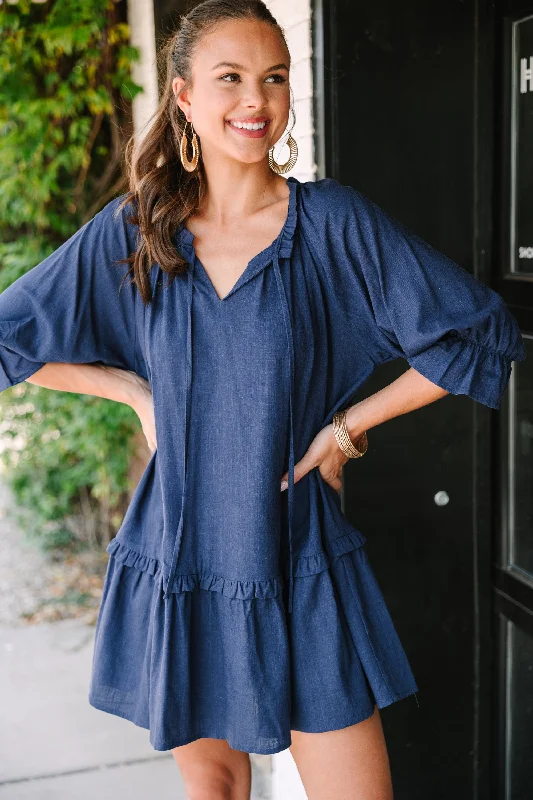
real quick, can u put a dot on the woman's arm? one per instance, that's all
(96, 379)
(411, 390)
(100, 380)
(408, 392)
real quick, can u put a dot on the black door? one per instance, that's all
(413, 109)
(513, 562)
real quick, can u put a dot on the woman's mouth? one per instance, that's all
(253, 130)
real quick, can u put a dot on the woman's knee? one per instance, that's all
(212, 770)
(209, 781)
(209, 791)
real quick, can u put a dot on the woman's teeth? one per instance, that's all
(250, 126)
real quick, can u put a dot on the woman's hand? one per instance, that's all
(143, 405)
(325, 453)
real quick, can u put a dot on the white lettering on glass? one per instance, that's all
(526, 74)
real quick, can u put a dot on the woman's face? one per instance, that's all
(240, 73)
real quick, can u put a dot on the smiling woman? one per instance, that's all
(237, 618)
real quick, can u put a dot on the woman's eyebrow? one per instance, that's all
(240, 66)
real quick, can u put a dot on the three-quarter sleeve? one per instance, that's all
(447, 324)
(71, 307)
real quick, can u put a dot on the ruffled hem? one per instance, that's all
(123, 553)
(239, 589)
(236, 589)
(318, 562)
(197, 665)
(461, 365)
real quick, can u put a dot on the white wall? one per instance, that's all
(144, 72)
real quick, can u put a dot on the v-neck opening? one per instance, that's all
(186, 238)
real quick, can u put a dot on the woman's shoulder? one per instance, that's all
(332, 202)
(111, 226)
(331, 211)
(339, 213)
(324, 190)
(117, 211)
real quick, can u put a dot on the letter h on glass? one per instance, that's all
(526, 74)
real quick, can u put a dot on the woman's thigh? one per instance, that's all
(348, 764)
(211, 769)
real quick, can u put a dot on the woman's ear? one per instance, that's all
(182, 97)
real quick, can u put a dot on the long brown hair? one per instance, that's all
(162, 193)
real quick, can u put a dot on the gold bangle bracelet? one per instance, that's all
(348, 447)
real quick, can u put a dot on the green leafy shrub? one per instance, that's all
(65, 114)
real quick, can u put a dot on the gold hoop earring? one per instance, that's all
(289, 164)
(191, 165)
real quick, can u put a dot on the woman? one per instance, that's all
(238, 616)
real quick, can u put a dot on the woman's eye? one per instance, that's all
(281, 78)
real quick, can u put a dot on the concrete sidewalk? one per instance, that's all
(55, 746)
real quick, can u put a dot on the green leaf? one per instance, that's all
(66, 456)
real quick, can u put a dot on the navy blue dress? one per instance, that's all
(230, 609)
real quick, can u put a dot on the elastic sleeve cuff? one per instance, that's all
(462, 366)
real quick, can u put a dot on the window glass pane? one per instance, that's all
(521, 255)
(520, 432)
(519, 738)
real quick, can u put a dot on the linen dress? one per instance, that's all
(230, 609)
